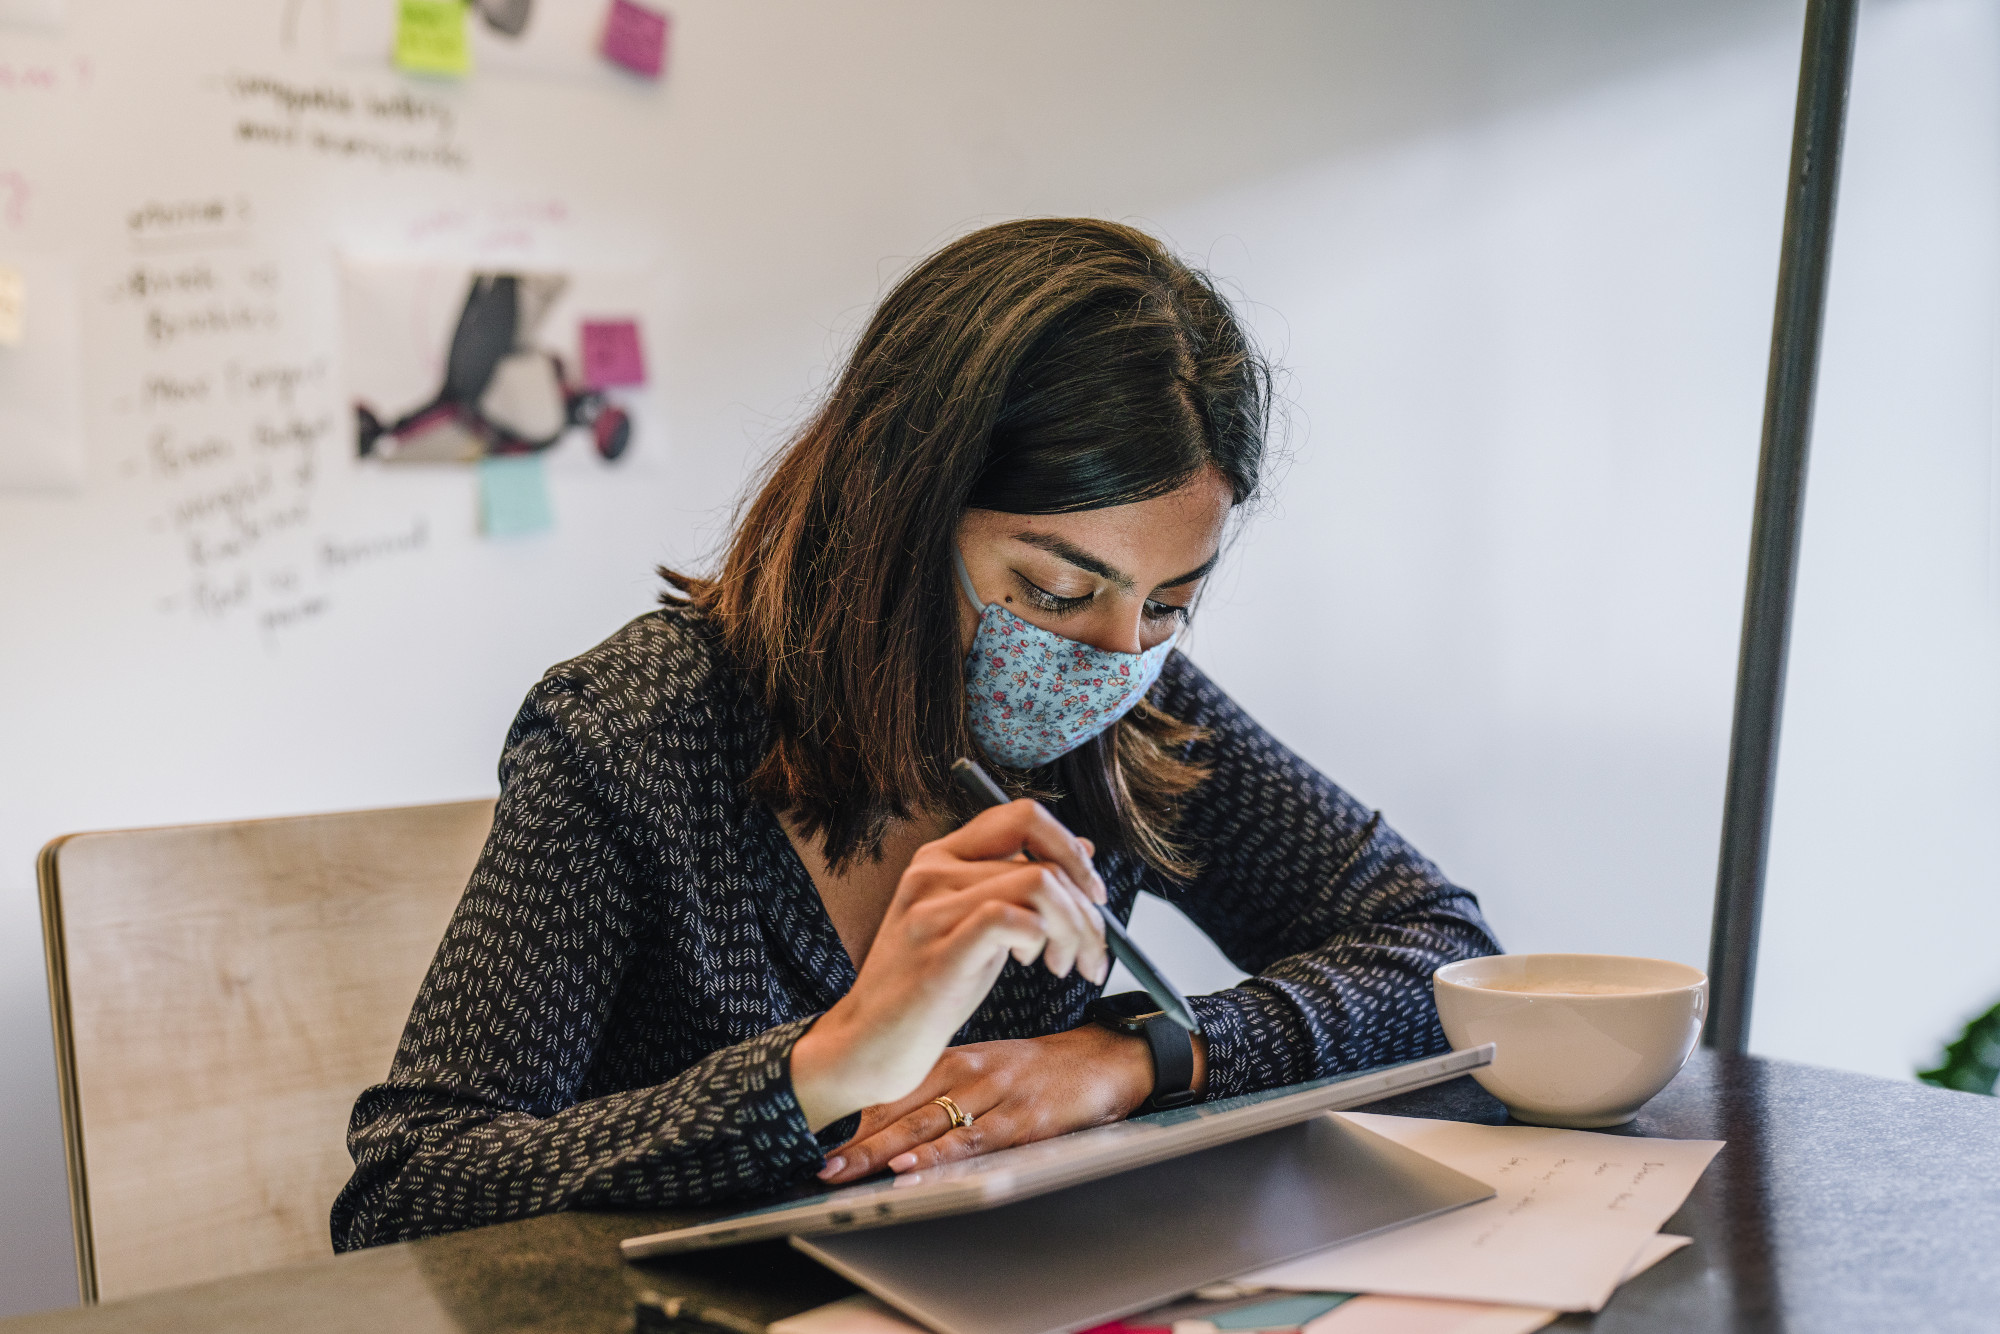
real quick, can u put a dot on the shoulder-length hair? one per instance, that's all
(1043, 366)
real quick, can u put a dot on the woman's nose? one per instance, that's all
(1118, 631)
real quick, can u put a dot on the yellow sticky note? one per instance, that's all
(431, 37)
(13, 300)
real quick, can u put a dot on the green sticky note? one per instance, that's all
(431, 37)
(1281, 1312)
(514, 496)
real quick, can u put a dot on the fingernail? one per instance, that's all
(832, 1168)
(902, 1162)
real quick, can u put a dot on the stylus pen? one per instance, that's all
(986, 792)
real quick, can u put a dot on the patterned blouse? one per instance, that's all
(609, 1019)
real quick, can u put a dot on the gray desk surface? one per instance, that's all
(1841, 1203)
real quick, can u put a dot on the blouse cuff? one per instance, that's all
(770, 1073)
(1223, 1044)
(828, 1137)
(837, 1134)
(1254, 1040)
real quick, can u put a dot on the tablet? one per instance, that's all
(1051, 1164)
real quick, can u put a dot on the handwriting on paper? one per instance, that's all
(1626, 1199)
(1571, 1210)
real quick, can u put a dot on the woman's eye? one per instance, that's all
(1044, 600)
(1057, 605)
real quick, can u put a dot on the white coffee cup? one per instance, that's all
(1582, 1040)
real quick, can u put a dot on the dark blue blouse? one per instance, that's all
(609, 1019)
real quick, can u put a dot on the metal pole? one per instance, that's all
(1824, 68)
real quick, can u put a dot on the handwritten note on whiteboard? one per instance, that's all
(1572, 1211)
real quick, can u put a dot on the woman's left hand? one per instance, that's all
(1015, 1092)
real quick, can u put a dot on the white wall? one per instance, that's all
(1531, 362)
(1884, 895)
(1518, 257)
(1499, 594)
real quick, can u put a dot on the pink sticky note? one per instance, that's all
(611, 353)
(636, 37)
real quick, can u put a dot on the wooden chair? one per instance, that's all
(221, 994)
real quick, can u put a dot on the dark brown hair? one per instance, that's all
(1038, 367)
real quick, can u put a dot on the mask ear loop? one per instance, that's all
(965, 580)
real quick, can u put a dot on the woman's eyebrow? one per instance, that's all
(1083, 560)
(1075, 555)
(1198, 572)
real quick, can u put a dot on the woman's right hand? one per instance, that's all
(967, 902)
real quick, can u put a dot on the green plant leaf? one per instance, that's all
(1971, 1064)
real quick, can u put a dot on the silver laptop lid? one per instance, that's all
(1067, 1160)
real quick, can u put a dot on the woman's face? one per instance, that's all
(1121, 578)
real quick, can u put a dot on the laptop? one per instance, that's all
(1031, 1170)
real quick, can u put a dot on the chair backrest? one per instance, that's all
(221, 994)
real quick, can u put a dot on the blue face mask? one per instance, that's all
(1032, 695)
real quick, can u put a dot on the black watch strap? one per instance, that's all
(1172, 1046)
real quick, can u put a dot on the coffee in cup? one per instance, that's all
(1581, 1040)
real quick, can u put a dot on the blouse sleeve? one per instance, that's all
(1340, 920)
(479, 1120)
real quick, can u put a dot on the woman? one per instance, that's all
(732, 929)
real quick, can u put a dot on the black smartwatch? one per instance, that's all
(1172, 1046)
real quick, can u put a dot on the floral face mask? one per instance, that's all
(1032, 695)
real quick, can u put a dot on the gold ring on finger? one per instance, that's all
(959, 1120)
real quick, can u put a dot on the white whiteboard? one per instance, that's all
(218, 612)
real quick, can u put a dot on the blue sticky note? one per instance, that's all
(514, 496)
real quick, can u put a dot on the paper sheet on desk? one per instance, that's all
(1375, 1313)
(863, 1314)
(1573, 1210)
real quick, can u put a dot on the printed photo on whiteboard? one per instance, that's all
(450, 364)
